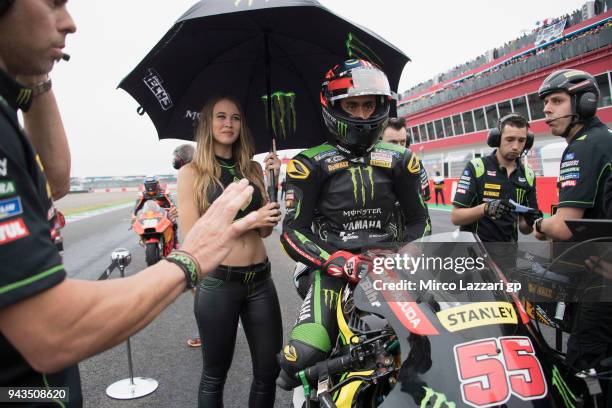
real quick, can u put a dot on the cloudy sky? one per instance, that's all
(108, 137)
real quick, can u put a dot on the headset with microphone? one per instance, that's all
(494, 139)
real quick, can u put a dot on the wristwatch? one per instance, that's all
(538, 225)
(41, 87)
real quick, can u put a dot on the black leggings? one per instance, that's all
(441, 193)
(218, 304)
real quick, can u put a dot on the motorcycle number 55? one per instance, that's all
(490, 370)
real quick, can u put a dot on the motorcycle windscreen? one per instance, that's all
(459, 346)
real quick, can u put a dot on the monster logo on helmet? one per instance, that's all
(356, 77)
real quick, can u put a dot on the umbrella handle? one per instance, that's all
(272, 185)
(272, 188)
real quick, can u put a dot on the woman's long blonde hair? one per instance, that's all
(208, 170)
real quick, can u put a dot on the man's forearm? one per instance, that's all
(467, 216)
(77, 319)
(44, 128)
(555, 228)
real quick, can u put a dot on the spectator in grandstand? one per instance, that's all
(396, 133)
(438, 181)
(570, 103)
(482, 199)
(48, 322)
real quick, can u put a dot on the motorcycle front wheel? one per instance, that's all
(152, 254)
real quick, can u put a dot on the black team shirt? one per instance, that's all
(29, 261)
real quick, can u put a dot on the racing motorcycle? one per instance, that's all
(155, 230)
(58, 222)
(438, 345)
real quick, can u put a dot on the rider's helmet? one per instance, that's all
(355, 136)
(580, 85)
(151, 186)
(182, 155)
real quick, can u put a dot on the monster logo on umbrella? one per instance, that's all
(271, 55)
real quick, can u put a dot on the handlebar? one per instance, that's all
(332, 366)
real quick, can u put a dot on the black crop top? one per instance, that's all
(229, 174)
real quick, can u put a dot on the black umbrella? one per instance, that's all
(271, 55)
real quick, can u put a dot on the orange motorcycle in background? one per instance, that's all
(155, 230)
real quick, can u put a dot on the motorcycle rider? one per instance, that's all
(341, 199)
(153, 191)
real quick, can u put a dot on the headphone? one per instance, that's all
(585, 104)
(494, 139)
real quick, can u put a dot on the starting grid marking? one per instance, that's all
(93, 213)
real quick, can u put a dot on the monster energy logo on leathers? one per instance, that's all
(356, 188)
(284, 118)
(437, 400)
(520, 195)
(330, 297)
(568, 396)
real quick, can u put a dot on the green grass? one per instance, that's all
(78, 210)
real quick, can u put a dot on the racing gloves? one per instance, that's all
(532, 216)
(497, 208)
(348, 265)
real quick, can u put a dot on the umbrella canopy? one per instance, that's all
(271, 55)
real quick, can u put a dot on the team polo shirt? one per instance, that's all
(29, 261)
(584, 169)
(484, 180)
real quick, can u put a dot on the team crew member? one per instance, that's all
(341, 198)
(48, 323)
(438, 181)
(570, 103)
(182, 155)
(482, 200)
(395, 133)
(241, 288)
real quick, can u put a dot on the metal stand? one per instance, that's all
(132, 387)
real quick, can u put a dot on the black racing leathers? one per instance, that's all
(334, 203)
(338, 204)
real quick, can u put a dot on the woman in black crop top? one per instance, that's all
(242, 286)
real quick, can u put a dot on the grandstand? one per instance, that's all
(448, 117)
